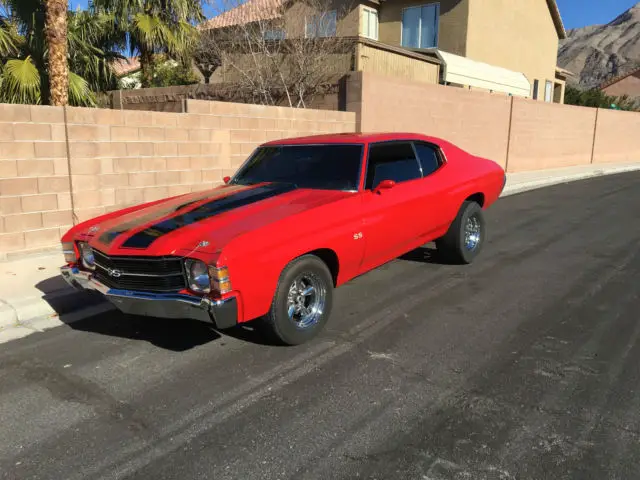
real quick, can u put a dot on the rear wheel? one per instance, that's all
(302, 303)
(466, 235)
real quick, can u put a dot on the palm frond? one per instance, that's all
(80, 93)
(20, 82)
(10, 39)
(151, 31)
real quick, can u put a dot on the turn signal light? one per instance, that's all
(220, 281)
(69, 252)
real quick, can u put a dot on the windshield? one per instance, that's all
(326, 167)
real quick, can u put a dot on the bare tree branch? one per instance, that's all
(277, 52)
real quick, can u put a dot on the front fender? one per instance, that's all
(256, 260)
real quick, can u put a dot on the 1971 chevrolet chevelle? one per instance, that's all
(300, 217)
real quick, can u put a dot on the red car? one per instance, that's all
(300, 217)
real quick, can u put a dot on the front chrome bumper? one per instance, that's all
(223, 313)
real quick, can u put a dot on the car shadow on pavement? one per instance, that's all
(63, 299)
(174, 335)
(177, 335)
(425, 254)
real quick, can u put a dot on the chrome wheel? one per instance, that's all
(472, 232)
(306, 300)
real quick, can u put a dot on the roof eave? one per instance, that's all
(617, 79)
(557, 19)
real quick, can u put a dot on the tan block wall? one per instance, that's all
(518, 35)
(120, 158)
(476, 121)
(452, 29)
(617, 137)
(548, 135)
(35, 204)
(521, 134)
(251, 125)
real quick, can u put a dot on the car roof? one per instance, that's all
(350, 138)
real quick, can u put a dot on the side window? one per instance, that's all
(391, 161)
(428, 157)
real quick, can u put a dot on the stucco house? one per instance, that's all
(501, 46)
(627, 84)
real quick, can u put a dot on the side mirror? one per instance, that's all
(384, 185)
(226, 179)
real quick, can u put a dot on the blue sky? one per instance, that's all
(575, 13)
(579, 13)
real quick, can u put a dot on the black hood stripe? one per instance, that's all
(146, 237)
(110, 235)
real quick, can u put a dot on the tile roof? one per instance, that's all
(250, 11)
(125, 66)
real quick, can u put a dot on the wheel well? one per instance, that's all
(476, 197)
(330, 258)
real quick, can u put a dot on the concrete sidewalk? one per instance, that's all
(33, 296)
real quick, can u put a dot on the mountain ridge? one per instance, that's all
(599, 53)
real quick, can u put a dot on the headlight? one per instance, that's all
(198, 276)
(86, 255)
(69, 252)
(220, 280)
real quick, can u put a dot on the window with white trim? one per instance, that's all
(548, 91)
(420, 26)
(370, 23)
(321, 25)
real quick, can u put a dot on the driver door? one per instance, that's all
(390, 223)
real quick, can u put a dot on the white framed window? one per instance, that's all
(420, 26)
(370, 23)
(321, 25)
(548, 91)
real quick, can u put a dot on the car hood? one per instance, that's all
(203, 220)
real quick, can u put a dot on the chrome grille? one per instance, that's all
(151, 274)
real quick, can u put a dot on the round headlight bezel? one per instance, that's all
(86, 256)
(198, 278)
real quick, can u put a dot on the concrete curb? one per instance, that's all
(58, 308)
(557, 180)
(35, 314)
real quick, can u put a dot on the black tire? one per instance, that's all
(279, 325)
(453, 247)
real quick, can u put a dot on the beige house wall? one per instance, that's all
(518, 35)
(348, 17)
(627, 86)
(452, 31)
(119, 158)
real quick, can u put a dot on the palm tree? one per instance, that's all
(156, 26)
(27, 61)
(56, 33)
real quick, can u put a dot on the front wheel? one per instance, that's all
(302, 303)
(465, 237)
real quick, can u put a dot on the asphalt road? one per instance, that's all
(523, 365)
